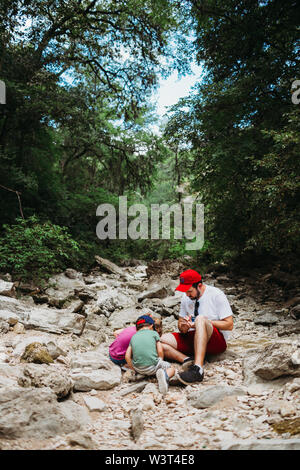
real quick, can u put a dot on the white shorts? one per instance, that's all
(151, 370)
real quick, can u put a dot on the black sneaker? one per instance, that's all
(188, 362)
(191, 375)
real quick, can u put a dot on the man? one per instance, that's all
(205, 320)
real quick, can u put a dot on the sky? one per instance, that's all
(171, 89)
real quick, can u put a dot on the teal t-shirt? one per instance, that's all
(144, 352)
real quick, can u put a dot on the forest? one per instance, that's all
(77, 129)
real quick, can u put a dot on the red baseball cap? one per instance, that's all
(187, 279)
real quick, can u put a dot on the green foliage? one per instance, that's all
(35, 249)
(241, 127)
(75, 131)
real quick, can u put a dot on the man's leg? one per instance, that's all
(169, 345)
(195, 373)
(204, 330)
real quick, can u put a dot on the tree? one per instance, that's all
(242, 125)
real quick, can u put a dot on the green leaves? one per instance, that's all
(35, 249)
(241, 128)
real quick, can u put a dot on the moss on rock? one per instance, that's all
(291, 425)
(37, 353)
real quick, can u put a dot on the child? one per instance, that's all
(145, 353)
(123, 336)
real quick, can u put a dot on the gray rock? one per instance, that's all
(54, 349)
(110, 300)
(62, 289)
(12, 305)
(75, 306)
(94, 404)
(158, 290)
(108, 266)
(136, 388)
(4, 326)
(266, 319)
(101, 379)
(137, 423)
(51, 320)
(85, 294)
(19, 328)
(289, 328)
(58, 298)
(6, 277)
(275, 361)
(57, 379)
(94, 359)
(95, 322)
(7, 288)
(264, 444)
(37, 353)
(19, 345)
(35, 413)
(295, 312)
(82, 440)
(127, 316)
(136, 285)
(208, 396)
(71, 273)
(9, 375)
(61, 282)
(94, 370)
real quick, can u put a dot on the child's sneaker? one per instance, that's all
(163, 381)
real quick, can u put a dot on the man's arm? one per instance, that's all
(224, 324)
(128, 356)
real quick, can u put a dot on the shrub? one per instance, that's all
(34, 249)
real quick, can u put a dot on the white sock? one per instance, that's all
(200, 367)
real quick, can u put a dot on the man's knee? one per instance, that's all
(167, 339)
(202, 322)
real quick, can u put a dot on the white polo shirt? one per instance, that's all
(213, 304)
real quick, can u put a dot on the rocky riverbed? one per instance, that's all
(59, 390)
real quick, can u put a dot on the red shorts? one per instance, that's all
(215, 345)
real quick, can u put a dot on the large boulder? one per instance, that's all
(212, 394)
(272, 362)
(61, 289)
(101, 379)
(93, 370)
(94, 359)
(127, 316)
(160, 268)
(51, 320)
(54, 377)
(35, 413)
(53, 348)
(158, 290)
